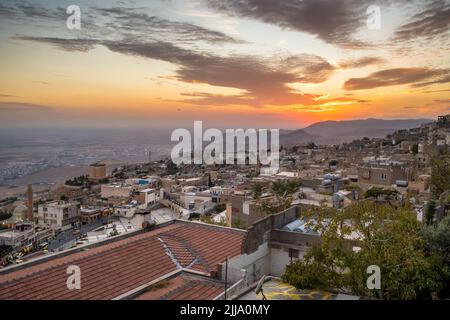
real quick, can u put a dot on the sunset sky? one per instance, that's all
(251, 63)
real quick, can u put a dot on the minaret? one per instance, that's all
(30, 202)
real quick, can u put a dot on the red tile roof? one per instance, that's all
(196, 290)
(113, 269)
(184, 287)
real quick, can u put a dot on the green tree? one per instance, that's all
(430, 211)
(283, 191)
(81, 181)
(438, 238)
(387, 237)
(415, 149)
(440, 175)
(282, 188)
(5, 215)
(220, 208)
(171, 168)
(375, 192)
(238, 224)
(257, 190)
(120, 175)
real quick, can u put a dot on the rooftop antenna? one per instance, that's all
(259, 287)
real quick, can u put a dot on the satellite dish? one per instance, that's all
(260, 284)
(259, 287)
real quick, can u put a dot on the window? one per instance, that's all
(383, 176)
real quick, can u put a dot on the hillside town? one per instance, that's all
(202, 226)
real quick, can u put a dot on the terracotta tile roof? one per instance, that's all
(110, 270)
(178, 249)
(196, 290)
(210, 244)
(184, 287)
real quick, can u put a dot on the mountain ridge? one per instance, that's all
(338, 131)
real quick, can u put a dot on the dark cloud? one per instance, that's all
(335, 21)
(414, 76)
(158, 50)
(6, 11)
(128, 21)
(433, 21)
(339, 21)
(19, 11)
(118, 22)
(82, 45)
(264, 81)
(36, 11)
(444, 79)
(361, 62)
(309, 68)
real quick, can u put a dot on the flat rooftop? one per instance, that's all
(275, 289)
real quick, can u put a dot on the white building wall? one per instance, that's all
(125, 211)
(256, 265)
(150, 197)
(264, 261)
(279, 259)
(58, 216)
(246, 208)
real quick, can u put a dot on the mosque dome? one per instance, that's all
(20, 213)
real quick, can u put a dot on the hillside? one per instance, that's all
(288, 137)
(342, 131)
